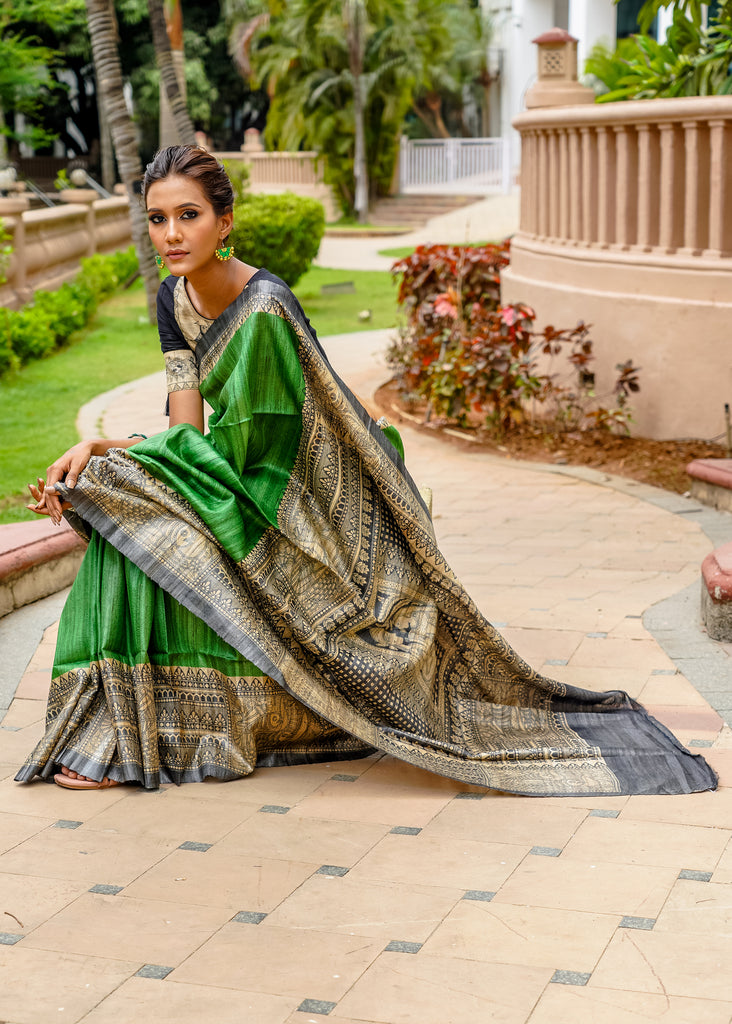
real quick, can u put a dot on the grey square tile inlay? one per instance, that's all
(198, 847)
(557, 661)
(597, 636)
(699, 743)
(316, 1006)
(603, 812)
(9, 938)
(344, 778)
(273, 809)
(642, 924)
(106, 890)
(469, 796)
(663, 672)
(545, 851)
(405, 830)
(479, 894)
(570, 978)
(695, 876)
(332, 869)
(63, 823)
(249, 917)
(399, 946)
(154, 971)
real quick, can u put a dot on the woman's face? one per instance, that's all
(183, 226)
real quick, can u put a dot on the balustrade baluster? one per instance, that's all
(589, 185)
(626, 154)
(720, 189)
(563, 185)
(605, 186)
(575, 185)
(671, 190)
(553, 183)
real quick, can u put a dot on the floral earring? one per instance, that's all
(159, 260)
(224, 253)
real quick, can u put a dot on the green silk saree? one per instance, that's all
(272, 593)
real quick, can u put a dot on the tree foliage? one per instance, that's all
(342, 76)
(694, 60)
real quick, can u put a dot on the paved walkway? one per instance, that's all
(371, 892)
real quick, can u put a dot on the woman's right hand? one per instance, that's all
(66, 468)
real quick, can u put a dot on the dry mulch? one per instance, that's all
(660, 463)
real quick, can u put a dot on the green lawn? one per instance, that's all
(39, 404)
(401, 251)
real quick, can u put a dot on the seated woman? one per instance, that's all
(270, 592)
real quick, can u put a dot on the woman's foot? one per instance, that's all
(72, 780)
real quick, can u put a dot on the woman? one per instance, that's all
(271, 592)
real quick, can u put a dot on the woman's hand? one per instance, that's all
(66, 468)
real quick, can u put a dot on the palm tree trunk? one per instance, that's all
(353, 12)
(172, 86)
(102, 23)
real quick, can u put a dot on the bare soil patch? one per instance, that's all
(660, 463)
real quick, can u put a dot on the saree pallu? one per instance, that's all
(272, 593)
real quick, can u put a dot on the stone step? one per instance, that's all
(711, 482)
(36, 559)
(415, 210)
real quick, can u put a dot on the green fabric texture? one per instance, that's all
(235, 476)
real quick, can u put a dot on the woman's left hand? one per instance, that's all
(38, 493)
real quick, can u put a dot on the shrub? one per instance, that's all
(238, 172)
(35, 330)
(466, 355)
(280, 232)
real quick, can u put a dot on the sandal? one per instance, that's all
(66, 782)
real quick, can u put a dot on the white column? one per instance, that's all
(591, 21)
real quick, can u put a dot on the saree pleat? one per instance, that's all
(281, 596)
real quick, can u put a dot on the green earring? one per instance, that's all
(224, 253)
(159, 260)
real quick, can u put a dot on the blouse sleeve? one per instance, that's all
(181, 368)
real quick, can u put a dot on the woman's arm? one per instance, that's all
(185, 407)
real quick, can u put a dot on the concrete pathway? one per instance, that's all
(370, 892)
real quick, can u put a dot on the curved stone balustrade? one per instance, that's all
(48, 244)
(626, 223)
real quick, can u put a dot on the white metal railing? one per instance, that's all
(454, 165)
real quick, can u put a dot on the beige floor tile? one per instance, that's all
(122, 928)
(49, 800)
(720, 758)
(678, 965)
(177, 820)
(377, 802)
(16, 828)
(595, 888)
(39, 986)
(536, 646)
(374, 908)
(15, 746)
(667, 691)
(500, 933)
(28, 901)
(402, 988)
(24, 712)
(444, 860)
(284, 786)
(89, 857)
(319, 1018)
(633, 654)
(319, 841)
(392, 771)
(701, 907)
(165, 1002)
(713, 809)
(599, 677)
(34, 685)
(7, 771)
(622, 841)
(221, 879)
(508, 819)
(261, 958)
(561, 1004)
(723, 871)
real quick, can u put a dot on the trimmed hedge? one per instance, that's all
(46, 324)
(280, 232)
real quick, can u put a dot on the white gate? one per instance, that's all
(454, 165)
